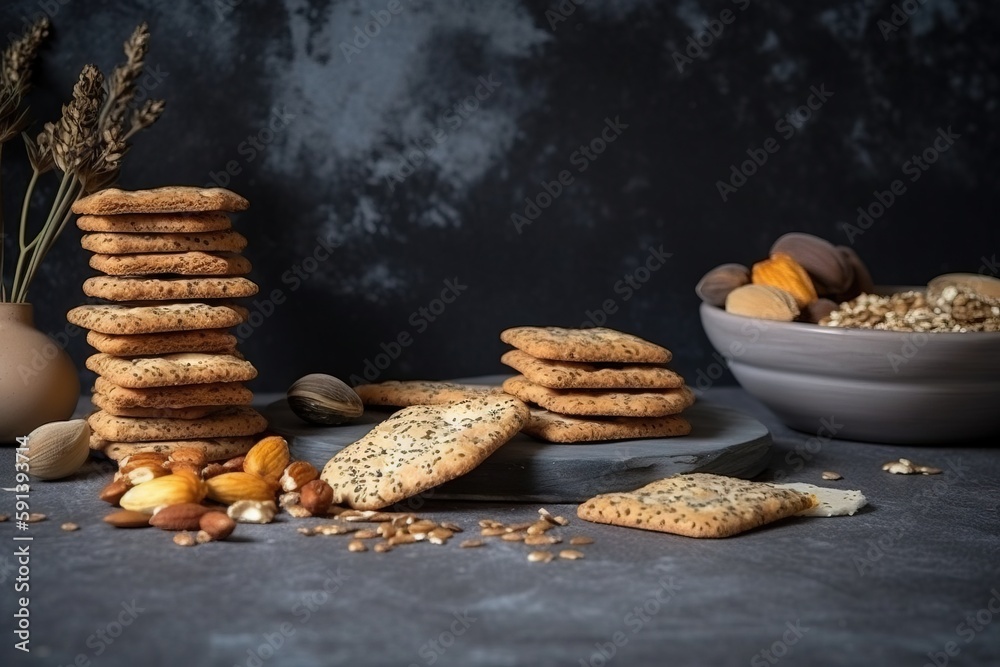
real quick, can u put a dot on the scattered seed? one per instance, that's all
(357, 515)
(471, 544)
(561, 521)
(571, 554)
(386, 530)
(512, 537)
(539, 527)
(540, 557)
(333, 529)
(831, 475)
(35, 517)
(401, 538)
(289, 499)
(433, 539)
(545, 514)
(382, 547)
(308, 532)
(70, 526)
(489, 523)
(298, 511)
(356, 545)
(516, 527)
(202, 537)
(441, 533)
(422, 526)
(366, 534)
(453, 527)
(184, 539)
(492, 531)
(4, 517)
(580, 540)
(541, 540)
(908, 467)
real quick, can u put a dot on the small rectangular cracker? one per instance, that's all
(171, 370)
(228, 423)
(600, 403)
(156, 223)
(116, 288)
(183, 396)
(419, 392)
(169, 199)
(420, 447)
(597, 345)
(696, 505)
(194, 412)
(191, 263)
(579, 375)
(215, 449)
(127, 319)
(130, 345)
(553, 427)
(121, 243)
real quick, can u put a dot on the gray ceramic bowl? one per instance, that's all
(857, 384)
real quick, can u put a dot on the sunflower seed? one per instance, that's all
(492, 532)
(422, 526)
(580, 540)
(386, 530)
(441, 533)
(540, 557)
(308, 532)
(831, 475)
(453, 527)
(540, 527)
(489, 523)
(70, 526)
(333, 529)
(512, 537)
(541, 540)
(35, 517)
(356, 546)
(545, 514)
(402, 538)
(561, 520)
(515, 527)
(366, 534)
(471, 544)
(382, 547)
(571, 554)
(184, 539)
(298, 511)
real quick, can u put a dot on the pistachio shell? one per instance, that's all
(716, 285)
(829, 268)
(58, 449)
(323, 399)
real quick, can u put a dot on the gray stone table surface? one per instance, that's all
(908, 579)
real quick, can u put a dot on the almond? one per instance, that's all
(716, 285)
(230, 487)
(297, 475)
(141, 460)
(169, 490)
(187, 455)
(762, 301)
(113, 492)
(317, 496)
(785, 273)
(268, 458)
(179, 517)
(217, 524)
(213, 469)
(234, 464)
(144, 473)
(127, 519)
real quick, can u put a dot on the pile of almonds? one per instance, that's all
(803, 279)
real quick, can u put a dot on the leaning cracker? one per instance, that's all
(419, 392)
(830, 502)
(156, 223)
(696, 505)
(194, 412)
(170, 199)
(232, 422)
(171, 369)
(597, 345)
(114, 288)
(119, 319)
(215, 449)
(578, 375)
(553, 427)
(183, 396)
(114, 243)
(420, 447)
(598, 403)
(191, 263)
(170, 342)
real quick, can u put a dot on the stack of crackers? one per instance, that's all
(169, 372)
(585, 385)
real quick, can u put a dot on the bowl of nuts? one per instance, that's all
(907, 365)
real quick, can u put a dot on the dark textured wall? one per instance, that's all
(381, 148)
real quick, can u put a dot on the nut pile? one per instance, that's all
(952, 302)
(803, 279)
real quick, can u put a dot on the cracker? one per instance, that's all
(215, 449)
(171, 370)
(419, 392)
(597, 345)
(829, 502)
(601, 403)
(192, 263)
(114, 288)
(184, 396)
(194, 412)
(156, 223)
(118, 319)
(578, 375)
(228, 423)
(552, 427)
(696, 505)
(420, 447)
(113, 243)
(170, 199)
(130, 345)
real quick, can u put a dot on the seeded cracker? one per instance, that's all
(421, 447)
(171, 370)
(419, 392)
(697, 505)
(595, 345)
(596, 402)
(553, 427)
(577, 375)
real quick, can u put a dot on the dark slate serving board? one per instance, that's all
(722, 441)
